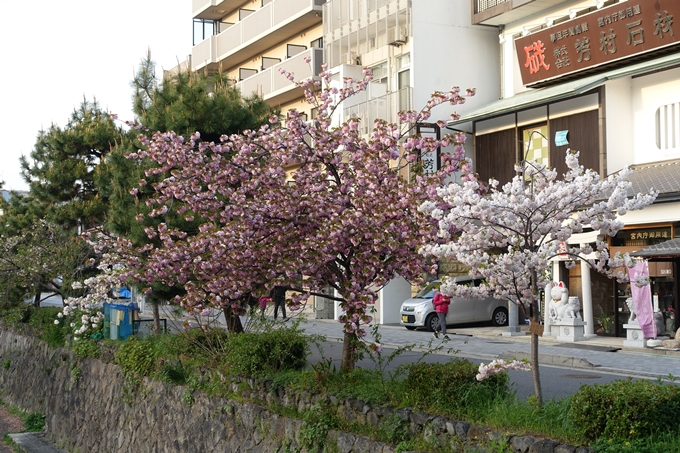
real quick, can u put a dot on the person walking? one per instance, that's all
(279, 297)
(263, 301)
(441, 306)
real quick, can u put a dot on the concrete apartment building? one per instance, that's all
(601, 77)
(250, 40)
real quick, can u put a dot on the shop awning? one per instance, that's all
(543, 96)
(670, 248)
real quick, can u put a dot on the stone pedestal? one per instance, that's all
(634, 336)
(569, 330)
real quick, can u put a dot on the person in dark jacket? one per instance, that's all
(279, 297)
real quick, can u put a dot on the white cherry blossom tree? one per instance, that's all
(509, 234)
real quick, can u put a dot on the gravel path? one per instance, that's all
(8, 424)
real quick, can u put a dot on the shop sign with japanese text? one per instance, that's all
(604, 36)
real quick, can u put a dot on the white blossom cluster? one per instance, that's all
(509, 235)
(84, 314)
(500, 366)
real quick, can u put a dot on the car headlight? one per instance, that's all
(421, 308)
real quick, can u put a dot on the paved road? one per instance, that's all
(564, 367)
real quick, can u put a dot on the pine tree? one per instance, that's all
(61, 168)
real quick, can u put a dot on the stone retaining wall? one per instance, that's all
(89, 408)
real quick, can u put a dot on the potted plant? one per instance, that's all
(606, 321)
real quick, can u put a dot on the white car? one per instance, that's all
(419, 310)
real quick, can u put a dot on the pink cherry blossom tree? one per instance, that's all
(297, 198)
(509, 234)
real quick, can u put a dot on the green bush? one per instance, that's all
(43, 320)
(86, 347)
(137, 357)
(34, 422)
(200, 342)
(257, 355)
(661, 443)
(625, 409)
(452, 386)
(15, 314)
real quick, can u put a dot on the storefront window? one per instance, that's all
(536, 145)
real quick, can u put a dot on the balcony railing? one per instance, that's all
(384, 107)
(483, 5)
(353, 28)
(265, 26)
(270, 84)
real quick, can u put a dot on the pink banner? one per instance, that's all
(642, 300)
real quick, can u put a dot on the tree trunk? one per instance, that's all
(535, 318)
(156, 316)
(349, 352)
(36, 300)
(234, 324)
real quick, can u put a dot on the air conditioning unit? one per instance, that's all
(397, 36)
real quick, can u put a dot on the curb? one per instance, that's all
(549, 359)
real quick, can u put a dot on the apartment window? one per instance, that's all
(294, 49)
(378, 86)
(404, 61)
(268, 62)
(535, 144)
(668, 126)
(314, 113)
(404, 83)
(204, 29)
(244, 73)
(317, 44)
(379, 72)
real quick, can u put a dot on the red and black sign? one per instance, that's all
(603, 36)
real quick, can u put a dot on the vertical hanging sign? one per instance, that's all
(429, 161)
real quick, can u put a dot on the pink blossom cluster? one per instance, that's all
(500, 366)
(292, 199)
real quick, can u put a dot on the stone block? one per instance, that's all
(521, 444)
(671, 344)
(543, 446)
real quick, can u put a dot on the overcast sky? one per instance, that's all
(54, 53)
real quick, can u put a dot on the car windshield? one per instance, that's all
(428, 291)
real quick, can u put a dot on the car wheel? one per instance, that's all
(432, 322)
(410, 328)
(500, 317)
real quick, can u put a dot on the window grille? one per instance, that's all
(668, 126)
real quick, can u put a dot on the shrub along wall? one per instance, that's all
(89, 408)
